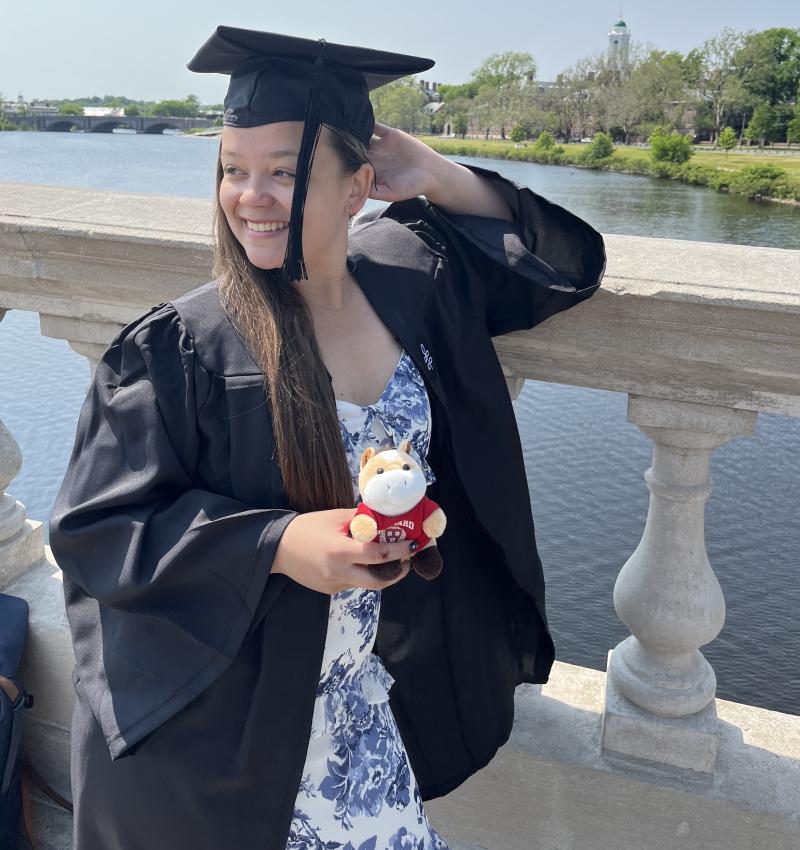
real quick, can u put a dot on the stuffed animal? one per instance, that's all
(394, 507)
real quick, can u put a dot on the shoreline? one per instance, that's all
(698, 173)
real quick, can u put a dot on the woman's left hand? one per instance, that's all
(404, 166)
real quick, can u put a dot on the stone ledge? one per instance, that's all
(691, 321)
(550, 787)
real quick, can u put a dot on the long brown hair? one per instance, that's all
(275, 323)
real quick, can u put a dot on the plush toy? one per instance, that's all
(394, 507)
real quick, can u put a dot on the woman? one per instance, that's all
(222, 619)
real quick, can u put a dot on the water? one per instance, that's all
(585, 462)
(613, 203)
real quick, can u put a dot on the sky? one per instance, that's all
(64, 49)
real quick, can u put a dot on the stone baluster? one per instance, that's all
(660, 707)
(21, 543)
(90, 350)
(84, 336)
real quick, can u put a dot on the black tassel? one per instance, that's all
(294, 267)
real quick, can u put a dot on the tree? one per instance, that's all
(793, 127)
(399, 104)
(545, 141)
(713, 69)
(502, 93)
(601, 146)
(652, 91)
(669, 147)
(727, 139)
(659, 80)
(452, 92)
(133, 110)
(500, 68)
(762, 125)
(769, 65)
(70, 109)
(459, 124)
(186, 108)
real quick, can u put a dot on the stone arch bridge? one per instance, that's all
(107, 123)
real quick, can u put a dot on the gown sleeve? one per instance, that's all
(515, 274)
(162, 578)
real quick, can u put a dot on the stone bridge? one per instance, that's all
(107, 123)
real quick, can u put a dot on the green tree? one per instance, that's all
(793, 127)
(451, 92)
(652, 92)
(669, 147)
(601, 146)
(399, 104)
(769, 65)
(70, 109)
(545, 140)
(459, 124)
(727, 139)
(133, 110)
(713, 69)
(186, 108)
(501, 88)
(762, 125)
(518, 133)
(501, 68)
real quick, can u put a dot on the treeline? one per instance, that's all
(189, 107)
(747, 81)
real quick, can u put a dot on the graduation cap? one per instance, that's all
(278, 77)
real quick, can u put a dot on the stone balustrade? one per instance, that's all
(700, 336)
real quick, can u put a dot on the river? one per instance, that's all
(582, 457)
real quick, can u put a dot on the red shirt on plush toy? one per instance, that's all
(407, 526)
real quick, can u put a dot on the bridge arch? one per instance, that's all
(105, 127)
(110, 126)
(160, 127)
(64, 125)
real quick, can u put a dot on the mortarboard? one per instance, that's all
(278, 77)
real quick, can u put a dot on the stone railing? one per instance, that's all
(701, 337)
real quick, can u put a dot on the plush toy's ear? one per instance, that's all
(405, 446)
(366, 455)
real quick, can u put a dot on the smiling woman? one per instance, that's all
(223, 619)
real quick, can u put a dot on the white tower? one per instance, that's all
(618, 39)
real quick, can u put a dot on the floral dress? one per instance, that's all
(358, 790)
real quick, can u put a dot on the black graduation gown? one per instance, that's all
(196, 669)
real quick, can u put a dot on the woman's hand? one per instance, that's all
(404, 166)
(315, 551)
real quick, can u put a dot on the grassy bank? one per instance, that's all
(775, 178)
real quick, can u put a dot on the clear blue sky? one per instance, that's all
(59, 49)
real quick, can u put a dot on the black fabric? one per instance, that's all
(151, 558)
(13, 635)
(190, 656)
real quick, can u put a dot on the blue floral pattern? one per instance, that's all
(358, 790)
(402, 412)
